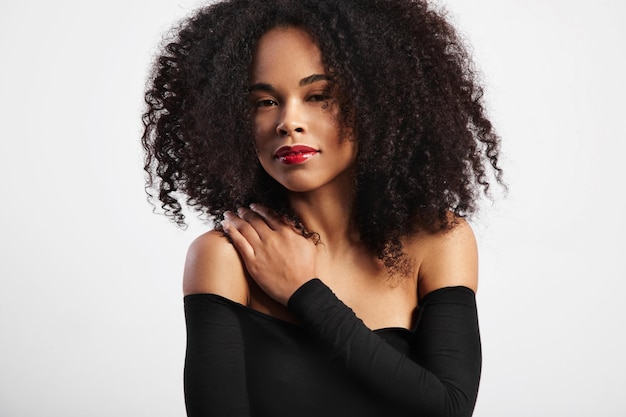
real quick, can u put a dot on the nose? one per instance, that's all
(292, 121)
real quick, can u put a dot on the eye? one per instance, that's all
(319, 97)
(268, 102)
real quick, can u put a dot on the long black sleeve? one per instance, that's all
(443, 383)
(215, 374)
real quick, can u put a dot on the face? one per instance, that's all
(296, 133)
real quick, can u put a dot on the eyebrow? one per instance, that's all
(313, 79)
(303, 82)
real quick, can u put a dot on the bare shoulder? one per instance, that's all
(448, 258)
(213, 266)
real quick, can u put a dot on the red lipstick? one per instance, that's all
(292, 155)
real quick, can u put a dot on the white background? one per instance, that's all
(91, 319)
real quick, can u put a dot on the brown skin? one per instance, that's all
(268, 260)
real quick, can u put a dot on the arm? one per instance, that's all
(447, 341)
(445, 383)
(215, 380)
(215, 376)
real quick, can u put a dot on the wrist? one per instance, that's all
(302, 290)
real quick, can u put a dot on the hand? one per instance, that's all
(276, 255)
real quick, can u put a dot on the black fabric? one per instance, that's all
(244, 363)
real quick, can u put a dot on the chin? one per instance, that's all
(296, 182)
(297, 188)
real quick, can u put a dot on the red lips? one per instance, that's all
(291, 155)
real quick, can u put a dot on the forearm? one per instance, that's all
(215, 381)
(444, 383)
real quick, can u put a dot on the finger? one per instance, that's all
(239, 241)
(243, 227)
(270, 217)
(258, 222)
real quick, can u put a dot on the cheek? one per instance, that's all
(262, 149)
(329, 130)
(263, 132)
(351, 150)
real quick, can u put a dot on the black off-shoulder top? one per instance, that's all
(241, 362)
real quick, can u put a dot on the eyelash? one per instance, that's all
(319, 97)
(266, 103)
(315, 98)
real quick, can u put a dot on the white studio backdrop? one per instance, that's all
(91, 319)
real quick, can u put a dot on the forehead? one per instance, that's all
(285, 51)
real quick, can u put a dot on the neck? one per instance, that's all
(328, 212)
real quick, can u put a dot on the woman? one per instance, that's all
(338, 147)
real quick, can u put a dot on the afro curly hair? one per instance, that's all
(406, 87)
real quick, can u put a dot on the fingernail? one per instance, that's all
(254, 206)
(225, 225)
(228, 214)
(240, 211)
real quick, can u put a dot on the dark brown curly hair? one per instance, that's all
(406, 86)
